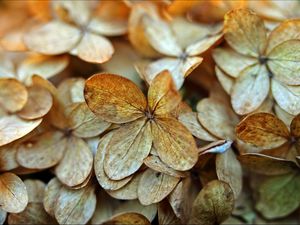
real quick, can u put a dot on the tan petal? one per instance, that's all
(213, 204)
(83, 122)
(8, 159)
(13, 95)
(42, 151)
(163, 97)
(75, 206)
(38, 104)
(129, 191)
(226, 81)
(154, 163)
(51, 194)
(128, 218)
(7, 67)
(77, 163)
(166, 214)
(262, 129)
(104, 181)
(45, 66)
(13, 128)
(35, 190)
(232, 62)
(13, 191)
(174, 144)
(93, 48)
(217, 118)
(250, 89)
(267, 165)
(190, 120)
(155, 186)
(52, 38)
(245, 32)
(178, 68)
(127, 149)
(114, 98)
(107, 27)
(229, 170)
(283, 115)
(161, 37)
(13, 40)
(3, 216)
(33, 214)
(287, 30)
(285, 97)
(70, 91)
(219, 146)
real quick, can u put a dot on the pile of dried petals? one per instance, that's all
(150, 112)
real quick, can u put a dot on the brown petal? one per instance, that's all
(217, 118)
(93, 48)
(245, 32)
(83, 122)
(163, 97)
(295, 126)
(75, 206)
(213, 204)
(262, 129)
(13, 191)
(77, 163)
(114, 98)
(51, 194)
(8, 159)
(250, 89)
(42, 151)
(267, 165)
(101, 176)
(191, 122)
(229, 170)
(13, 95)
(38, 104)
(166, 215)
(174, 144)
(155, 186)
(13, 128)
(127, 149)
(52, 38)
(128, 218)
(33, 214)
(35, 190)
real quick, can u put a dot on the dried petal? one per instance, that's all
(51, 194)
(226, 81)
(166, 214)
(8, 159)
(114, 98)
(128, 218)
(219, 146)
(35, 190)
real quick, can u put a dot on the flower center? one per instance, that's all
(262, 59)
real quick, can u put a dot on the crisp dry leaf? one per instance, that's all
(38, 104)
(93, 48)
(104, 181)
(52, 38)
(225, 80)
(217, 118)
(190, 120)
(285, 97)
(174, 144)
(128, 218)
(33, 214)
(213, 204)
(284, 60)
(13, 128)
(128, 191)
(45, 66)
(13, 94)
(279, 196)
(155, 186)
(219, 146)
(50, 195)
(267, 165)
(166, 215)
(229, 170)
(114, 98)
(83, 122)
(262, 129)
(76, 164)
(75, 206)
(245, 32)
(35, 190)
(154, 163)
(231, 62)
(13, 191)
(42, 151)
(250, 89)
(163, 97)
(127, 149)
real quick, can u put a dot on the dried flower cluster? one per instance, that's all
(149, 112)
